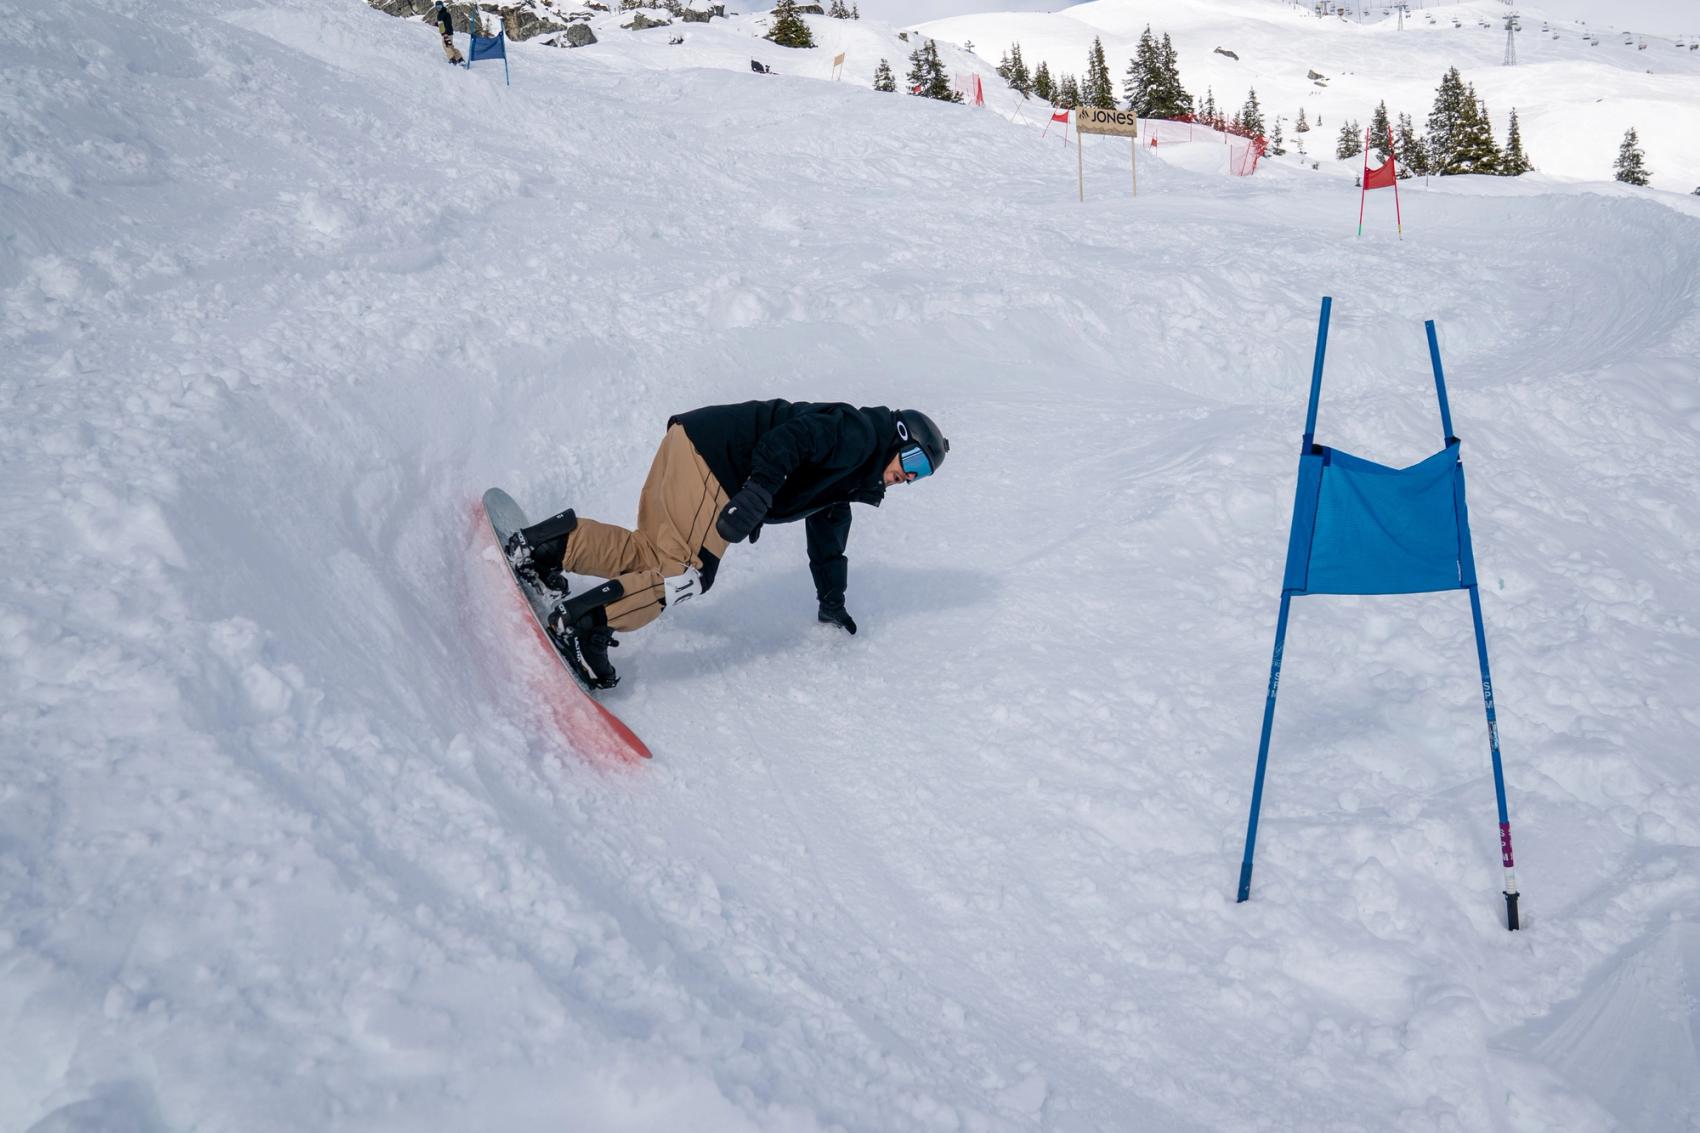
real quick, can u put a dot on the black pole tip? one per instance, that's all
(1511, 924)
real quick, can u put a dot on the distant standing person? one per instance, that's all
(446, 25)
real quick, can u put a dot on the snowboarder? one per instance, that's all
(722, 472)
(446, 25)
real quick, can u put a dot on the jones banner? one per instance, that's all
(1097, 120)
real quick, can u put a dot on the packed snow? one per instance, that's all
(291, 839)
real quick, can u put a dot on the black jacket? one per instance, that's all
(445, 21)
(815, 458)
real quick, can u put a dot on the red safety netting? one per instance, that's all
(971, 90)
(1243, 147)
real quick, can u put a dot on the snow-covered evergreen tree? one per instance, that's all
(1172, 100)
(789, 28)
(1144, 75)
(1251, 115)
(1449, 122)
(1351, 141)
(884, 80)
(1301, 126)
(1019, 77)
(1068, 92)
(917, 76)
(1631, 164)
(1410, 150)
(1474, 150)
(1042, 84)
(935, 82)
(1207, 112)
(1277, 143)
(1099, 90)
(1380, 131)
(1515, 162)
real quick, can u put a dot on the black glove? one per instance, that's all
(832, 612)
(744, 513)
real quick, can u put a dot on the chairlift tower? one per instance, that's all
(1511, 40)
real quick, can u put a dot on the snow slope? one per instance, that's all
(288, 842)
(1573, 99)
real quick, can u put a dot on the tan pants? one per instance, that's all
(676, 514)
(450, 50)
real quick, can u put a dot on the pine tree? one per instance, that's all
(1019, 77)
(1003, 67)
(883, 78)
(1277, 144)
(789, 28)
(1207, 113)
(1515, 163)
(1380, 131)
(1042, 85)
(1068, 94)
(1474, 150)
(1412, 153)
(1172, 99)
(1446, 124)
(1351, 142)
(939, 85)
(1144, 75)
(1631, 167)
(837, 10)
(1251, 115)
(1099, 89)
(855, 11)
(917, 76)
(1301, 126)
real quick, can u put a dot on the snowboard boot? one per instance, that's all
(580, 628)
(537, 552)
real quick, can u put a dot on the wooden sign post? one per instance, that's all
(838, 65)
(1097, 120)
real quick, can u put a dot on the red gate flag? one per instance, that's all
(1381, 177)
(1057, 116)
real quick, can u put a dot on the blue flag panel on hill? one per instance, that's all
(496, 48)
(1364, 528)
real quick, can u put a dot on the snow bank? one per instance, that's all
(288, 843)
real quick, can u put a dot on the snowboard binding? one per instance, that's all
(580, 630)
(538, 552)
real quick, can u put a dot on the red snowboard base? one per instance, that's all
(584, 721)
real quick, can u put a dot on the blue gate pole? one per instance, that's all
(1263, 748)
(1467, 553)
(1439, 382)
(1316, 373)
(1506, 860)
(1281, 621)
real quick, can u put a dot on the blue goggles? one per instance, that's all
(915, 461)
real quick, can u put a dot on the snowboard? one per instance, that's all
(588, 724)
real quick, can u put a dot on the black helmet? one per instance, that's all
(916, 429)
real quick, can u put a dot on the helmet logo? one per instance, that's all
(902, 430)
